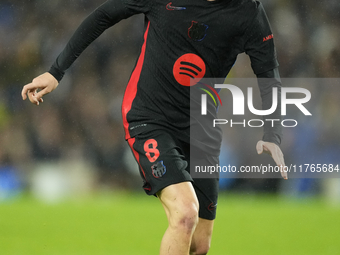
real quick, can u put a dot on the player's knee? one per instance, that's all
(185, 218)
(188, 223)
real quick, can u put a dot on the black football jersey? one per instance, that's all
(184, 41)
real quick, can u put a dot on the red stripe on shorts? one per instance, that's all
(131, 142)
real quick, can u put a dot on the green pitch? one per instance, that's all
(130, 224)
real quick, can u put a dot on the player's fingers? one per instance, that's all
(259, 147)
(32, 97)
(277, 156)
(284, 173)
(32, 86)
(40, 100)
(41, 93)
(283, 169)
(24, 91)
(275, 153)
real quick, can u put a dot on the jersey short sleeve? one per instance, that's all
(259, 43)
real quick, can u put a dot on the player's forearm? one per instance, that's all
(267, 81)
(91, 28)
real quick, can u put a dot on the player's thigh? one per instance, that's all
(179, 200)
(161, 160)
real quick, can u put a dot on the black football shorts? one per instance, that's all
(164, 160)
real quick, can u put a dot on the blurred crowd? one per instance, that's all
(82, 119)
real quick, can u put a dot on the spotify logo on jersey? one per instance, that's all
(189, 66)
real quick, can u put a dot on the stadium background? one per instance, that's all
(68, 184)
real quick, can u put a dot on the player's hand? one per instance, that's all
(39, 87)
(275, 152)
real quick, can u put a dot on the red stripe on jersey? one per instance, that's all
(131, 142)
(131, 89)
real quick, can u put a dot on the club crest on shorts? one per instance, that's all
(158, 169)
(197, 31)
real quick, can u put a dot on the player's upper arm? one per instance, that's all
(116, 10)
(138, 6)
(105, 16)
(109, 13)
(259, 43)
